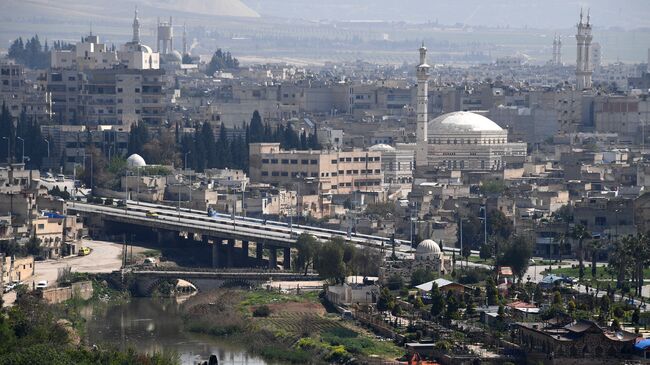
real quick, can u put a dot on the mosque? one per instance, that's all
(459, 140)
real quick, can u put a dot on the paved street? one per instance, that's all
(104, 257)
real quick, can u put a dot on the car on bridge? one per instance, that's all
(152, 214)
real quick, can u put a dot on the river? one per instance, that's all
(153, 324)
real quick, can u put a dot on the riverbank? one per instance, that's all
(286, 328)
(33, 331)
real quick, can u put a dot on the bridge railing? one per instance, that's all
(219, 270)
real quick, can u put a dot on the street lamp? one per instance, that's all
(185, 166)
(23, 142)
(8, 147)
(48, 147)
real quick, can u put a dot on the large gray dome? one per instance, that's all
(461, 122)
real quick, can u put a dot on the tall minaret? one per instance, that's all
(422, 71)
(184, 40)
(136, 27)
(559, 50)
(583, 64)
(554, 59)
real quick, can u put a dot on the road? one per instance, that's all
(104, 257)
(224, 225)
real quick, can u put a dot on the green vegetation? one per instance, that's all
(31, 332)
(287, 328)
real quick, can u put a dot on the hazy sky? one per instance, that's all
(515, 13)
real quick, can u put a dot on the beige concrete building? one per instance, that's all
(335, 172)
(17, 268)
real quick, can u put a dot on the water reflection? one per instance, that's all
(154, 324)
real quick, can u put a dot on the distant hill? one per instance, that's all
(547, 14)
(106, 9)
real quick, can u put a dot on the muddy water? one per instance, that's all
(154, 324)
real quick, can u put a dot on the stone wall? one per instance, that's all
(82, 290)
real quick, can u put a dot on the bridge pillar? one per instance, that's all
(244, 252)
(230, 253)
(286, 263)
(215, 252)
(259, 251)
(273, 258)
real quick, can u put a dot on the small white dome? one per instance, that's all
(428, 250)
(135, 160)
(381, 147)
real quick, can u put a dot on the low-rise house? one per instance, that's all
(581, 342)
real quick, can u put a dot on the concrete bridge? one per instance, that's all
(147, 280)
(229, 237)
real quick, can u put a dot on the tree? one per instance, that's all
(385, 301)
(329, 261)
(605, 304)
(307, 247)
(7, 133)
(395, 282)
(491, 291)
(220, 61)
(580, 233)
(420, 276)
(437, 301)
(486, 251)
(517, 255)
(636, 316)
(452, 306)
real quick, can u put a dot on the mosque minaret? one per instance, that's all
(422, 107)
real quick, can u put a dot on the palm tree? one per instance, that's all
(641, 258)
(594, 247)
(621, 258)
(580, 233)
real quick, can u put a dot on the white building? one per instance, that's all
(469, 141)
(135, 55)
(397, 164)
(87, 54)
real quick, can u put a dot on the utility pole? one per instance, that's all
(23, 142)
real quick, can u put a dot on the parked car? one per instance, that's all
(41, 284)
(9, 287)
(83, 251)
(152, 214)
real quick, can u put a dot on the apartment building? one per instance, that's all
(335, 172)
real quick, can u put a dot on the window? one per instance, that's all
(334, 174)
(333, 162)
(313, 162)
(304, 162)
(265, 160)
(341, 172)
(356, 159)
(284, 173)
(274, 160)
(119, 90)
(265, 173)
(377, 171)
(285, 161)
(294, 162)
(275, 173)
(137, 89)
(41, 226)
(314, 174)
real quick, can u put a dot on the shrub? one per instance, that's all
(262, 311)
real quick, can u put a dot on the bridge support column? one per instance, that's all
(286, 263)
(273, 258)
(259, 251)
(244, 252)
(215, 252)
(230, 253)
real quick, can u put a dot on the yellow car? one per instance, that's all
(152, 214)
(83, 251)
